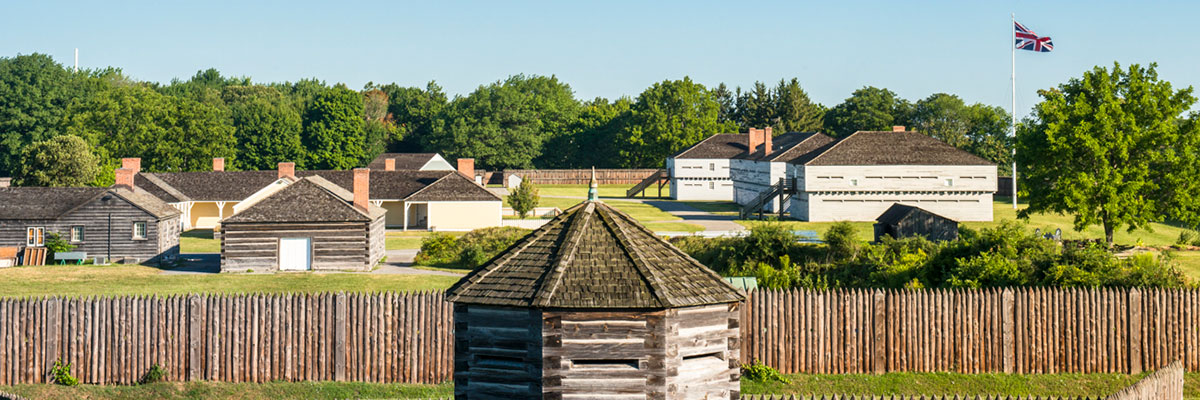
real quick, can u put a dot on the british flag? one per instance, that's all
(1027, 40)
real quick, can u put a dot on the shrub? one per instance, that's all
(842, 239)
(56, 244)
(468, 251)
(437, 248)
(762, 373)
(61, 374)
(156, 374)
(524, 198)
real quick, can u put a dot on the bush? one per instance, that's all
(61, 374)
(56, 244)
(842, 239)
(156, 374)
(524, 198)
(469, 251)
(761, 373)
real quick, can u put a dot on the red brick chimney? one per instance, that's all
(756, 139)
(132, 163)
(898, 128)
(766, 134)
(362, 188)
(124, 177)
(389, 164)
(218, 164)
(466, 166)
(287, 169)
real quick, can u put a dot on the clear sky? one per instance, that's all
(615, 48)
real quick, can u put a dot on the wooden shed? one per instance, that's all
(307, 224)
(904, 220)
(595, 304)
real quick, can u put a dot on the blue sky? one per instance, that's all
(615, 48)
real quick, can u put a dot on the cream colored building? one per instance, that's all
(860, 176)
(755, 170)
(702, 171)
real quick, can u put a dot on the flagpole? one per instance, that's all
(1013, 77)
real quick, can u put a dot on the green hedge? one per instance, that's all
(468, 251)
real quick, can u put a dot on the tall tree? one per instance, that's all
(415, 111)
(34, 94)
(867, 109)
(64, 160)
(666, 118)
(943, 116)
(268, 127)
(989, 135)
(794, 111)
(333, 130)
(379, 127)
(1113, 149)
(504, 124)
(756, 107)
(591, 138)
(168, 133)
(728, 103)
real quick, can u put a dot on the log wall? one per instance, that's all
(336, 246)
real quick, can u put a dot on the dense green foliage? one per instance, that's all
(468, 251)
(1113, 149)
(1003, 256)
(60, 374)
(64, 160)
(523, 121)
(523, 199)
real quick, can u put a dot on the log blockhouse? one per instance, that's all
(595, 304)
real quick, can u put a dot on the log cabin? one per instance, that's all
(594, 303)
(119, 224)
(308, 224)
(901, 220)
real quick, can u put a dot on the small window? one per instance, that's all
(712, 166)
(35, 236)
(854, 182)
(712, 185)
(949, 182)
(139, 230)
(605, 364)
(76, 234)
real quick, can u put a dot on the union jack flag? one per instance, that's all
(1027, 40)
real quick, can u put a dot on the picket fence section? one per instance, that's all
(230, 338)
(408, 337)
(1023, 330)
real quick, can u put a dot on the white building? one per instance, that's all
(702, 171)
(754, 171)
(859, 177)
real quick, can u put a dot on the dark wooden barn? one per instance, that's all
(903, 221)
(120, 224)
(307, 224)
(594, 304)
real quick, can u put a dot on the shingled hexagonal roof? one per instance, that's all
(596, 257)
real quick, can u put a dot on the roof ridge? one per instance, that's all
(697, 144)
(410, 195)
(166, 187)
(571, 246)
(780, 153)
(835, 145)
(320, 182)
(501, 259)
(639, 260)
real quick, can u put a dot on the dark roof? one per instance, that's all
(403, 160)
(898, 212)
(238, 185)
(720, 146)
(593, 256)
(790, 146)
(311, 199)
(454, 187)
(891, 148)
(53, 202)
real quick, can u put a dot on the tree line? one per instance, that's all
(59, 127)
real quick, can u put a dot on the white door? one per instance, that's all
(294, 254)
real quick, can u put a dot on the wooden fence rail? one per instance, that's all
(1023, 330)
(408, 337)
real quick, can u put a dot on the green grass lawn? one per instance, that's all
(244, 391)
(1188, 262)
(715, 207)
(1163, 235)
(199, 241)
(141, 280)
(1094, 385)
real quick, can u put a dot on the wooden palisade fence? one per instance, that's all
(407, 337)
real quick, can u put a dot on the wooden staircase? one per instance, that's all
(784, 189)
(660, 177)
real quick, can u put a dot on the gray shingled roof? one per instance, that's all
(890, 148)
(311, 199)
(593, 256)
(52, 202)
(453, 187)
(790, 146)
(238, 185)
(719, 146)
(403, 160)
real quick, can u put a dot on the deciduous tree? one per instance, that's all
(333, 130)
(666, 118)
(1113, 149)
(867, 109)
(268, 127)
(64, 160)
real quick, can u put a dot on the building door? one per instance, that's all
(295, 254)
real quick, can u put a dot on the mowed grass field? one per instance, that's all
(89, 280)
(1072, 385)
